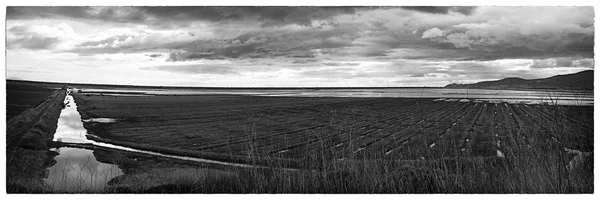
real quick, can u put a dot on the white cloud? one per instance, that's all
(433, 32)
(104, 51)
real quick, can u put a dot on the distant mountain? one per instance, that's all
(582, 81)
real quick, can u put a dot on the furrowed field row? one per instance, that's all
(311, 117)
(166, 114)
(363, 129)
(525, 124)
(334, 142)
(386, 147)
(376, 144)
(217, 127)
(138, 131)
(150, 108)
(350, 124)
(421, 148)
(556, 115)
(440, 139)
(453, 143)
(378, 140)
(554, 133)
(382, 114)
(505, 130)
(482, 143)
(364, 119)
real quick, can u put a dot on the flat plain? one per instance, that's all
(292, 127)
(338, 144)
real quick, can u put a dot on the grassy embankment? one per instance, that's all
(22, 95)
(27, 137)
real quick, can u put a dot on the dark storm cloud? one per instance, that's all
(295, 15)
(547, 44)
(154, 55)
(195, 69)
(269, 16)
(303, 42)
(304, 61)
(340, 64)
(466, 10)
(27, 38)
(183, 56)
(112, 14)
(30, 12)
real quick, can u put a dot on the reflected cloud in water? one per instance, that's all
(77, 169)
(70, 127)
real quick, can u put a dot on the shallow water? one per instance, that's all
(77, 169)
(532, 96)
(100, 120)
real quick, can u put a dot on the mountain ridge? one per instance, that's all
(583, 80)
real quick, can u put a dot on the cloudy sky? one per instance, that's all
(296, 46)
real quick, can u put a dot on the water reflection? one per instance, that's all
(77, 169)
(100, 120)
(70, 127)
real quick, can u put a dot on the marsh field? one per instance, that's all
(115, 139)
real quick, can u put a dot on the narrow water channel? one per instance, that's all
(77, 169)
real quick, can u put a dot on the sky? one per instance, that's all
(296, 46)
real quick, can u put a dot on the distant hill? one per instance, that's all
(582, 81)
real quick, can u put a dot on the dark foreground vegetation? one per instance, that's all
(22, 95)
(27, 136)
(339, 145)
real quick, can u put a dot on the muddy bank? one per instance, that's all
(28, 135)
